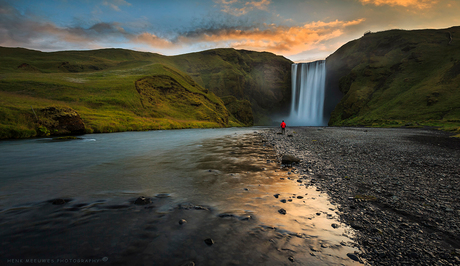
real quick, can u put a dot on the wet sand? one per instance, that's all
(237, 221)
(398, 188)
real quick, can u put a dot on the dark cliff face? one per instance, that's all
(263, 79)
(396, 77)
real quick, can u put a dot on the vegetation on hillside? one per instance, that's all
(261, 78)
(121, 90)
(109, 89)
(397, 78)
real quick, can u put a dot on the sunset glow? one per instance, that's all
(298, 30)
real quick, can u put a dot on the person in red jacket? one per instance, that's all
(283, 127)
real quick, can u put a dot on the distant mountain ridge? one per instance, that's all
(398, 77)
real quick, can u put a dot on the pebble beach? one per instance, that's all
(397, 187)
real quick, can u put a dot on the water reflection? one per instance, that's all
(227, 188)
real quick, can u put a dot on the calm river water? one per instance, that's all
(222, 181)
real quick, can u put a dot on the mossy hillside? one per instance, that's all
(263, 79)
(239, 109)
(397, 78)
(169, 93)
(259, 77)
(107, 100)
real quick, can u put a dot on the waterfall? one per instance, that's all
(308, 86)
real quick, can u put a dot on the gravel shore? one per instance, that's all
(399, 188)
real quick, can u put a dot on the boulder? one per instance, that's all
(61, 121)
(142, 201)
(289, 159)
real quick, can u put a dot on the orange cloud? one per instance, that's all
(421, 4)
(276, 39)
(153, 40)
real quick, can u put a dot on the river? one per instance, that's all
(223, 182)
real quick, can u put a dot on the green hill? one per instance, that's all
(120, 90)
(398, 77)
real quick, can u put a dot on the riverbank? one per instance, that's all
(399, 188)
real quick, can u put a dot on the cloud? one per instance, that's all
(17, 29)
(421, 4)
(153, 41)
(115, 4)
(233, 7)
(272, 38)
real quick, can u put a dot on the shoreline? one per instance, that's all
(398, 188)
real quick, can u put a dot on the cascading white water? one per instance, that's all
(308, 86)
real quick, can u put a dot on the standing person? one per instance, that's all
(283, 127)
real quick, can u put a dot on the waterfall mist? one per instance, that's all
(308, 91)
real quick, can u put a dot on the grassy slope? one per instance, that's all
(101, 86)
(400, 77)
(261, 78)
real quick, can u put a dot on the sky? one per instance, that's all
(300, 30)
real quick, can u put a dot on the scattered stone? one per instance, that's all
(289, 159)
(383, 183)
(209, 241)
(142, 201)
(353, 256)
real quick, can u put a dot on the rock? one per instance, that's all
(335, 226)
(276, 195)
(182, 221)
(60, 121)
(282, 211)
(353, 256)
(209, 241)
(291, 258)
(300, 197)
(289, 159)
(283, 201)
(142, 201)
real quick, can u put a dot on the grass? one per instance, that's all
(395, 78)
(104, 87)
